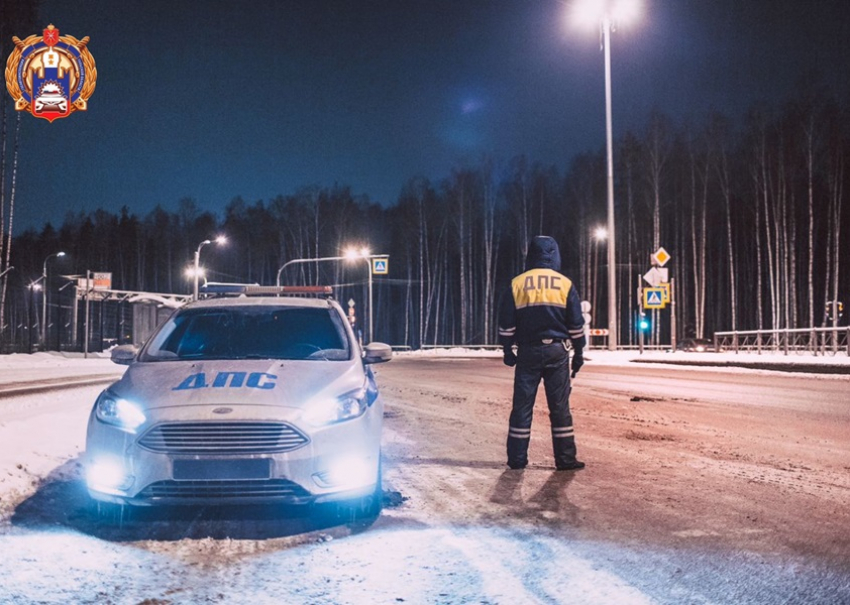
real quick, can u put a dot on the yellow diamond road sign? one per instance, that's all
(660, 257)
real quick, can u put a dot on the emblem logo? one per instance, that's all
(222, 410)
(50, 76)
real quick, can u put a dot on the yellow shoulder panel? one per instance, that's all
(540, 287)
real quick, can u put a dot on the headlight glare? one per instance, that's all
(108, 475)
(330, 411)
(349, 473)
(119, 412)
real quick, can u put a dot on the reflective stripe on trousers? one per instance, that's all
(549, 363)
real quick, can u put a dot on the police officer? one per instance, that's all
(542, 312)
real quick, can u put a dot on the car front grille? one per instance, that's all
(223, 438)
(223, 490)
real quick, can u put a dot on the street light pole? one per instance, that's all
(609, 13)
(44, 298)
(371, 323)
(612, 256)
(305, 260)
(219, 240)
(351, 254)
(198, 266)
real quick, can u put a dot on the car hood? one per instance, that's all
(292, 384)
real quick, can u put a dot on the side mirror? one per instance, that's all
(377, 352)
(124, 354)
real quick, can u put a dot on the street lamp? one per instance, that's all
(600, 234)
(350, 254)
(609, 13)
(219, 240)
(365, 254)
(296, 261)
(44, 298)
(31, 309)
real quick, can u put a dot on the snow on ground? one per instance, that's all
(19, 367)
(38, 438)
(39, 432)
(22, 463)
(55, 555)
(621, 358)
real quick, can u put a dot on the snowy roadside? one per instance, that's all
(21, 368)
(38, 435)
(40, 432)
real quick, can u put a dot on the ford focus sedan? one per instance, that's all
(248, 399)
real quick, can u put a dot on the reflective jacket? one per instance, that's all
(542, 303)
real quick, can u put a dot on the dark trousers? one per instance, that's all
(551, 363)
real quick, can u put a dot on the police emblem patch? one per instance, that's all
(50, 76)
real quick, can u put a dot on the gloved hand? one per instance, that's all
(578, 361)
(510, 357)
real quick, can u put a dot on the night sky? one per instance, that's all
(211, 100)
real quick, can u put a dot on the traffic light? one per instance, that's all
(643, 324)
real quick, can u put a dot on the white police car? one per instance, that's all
(238, 400)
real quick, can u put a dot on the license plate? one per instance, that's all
(210, 470)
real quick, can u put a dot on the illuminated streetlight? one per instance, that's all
(44, 298)
(608, 14)
(191, 272)
(351, 254)
(220, 240)
(589, 13)
(366, 254)
(600, 234)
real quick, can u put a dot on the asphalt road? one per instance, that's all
(700, 487)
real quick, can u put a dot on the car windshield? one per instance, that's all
(251, 332)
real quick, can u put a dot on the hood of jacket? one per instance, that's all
(543, 253)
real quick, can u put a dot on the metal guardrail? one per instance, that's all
(799, 341)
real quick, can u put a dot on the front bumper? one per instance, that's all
(335, 462)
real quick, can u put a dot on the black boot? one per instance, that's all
(518, 448)
(564, 447)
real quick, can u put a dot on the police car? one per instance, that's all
(265, 396)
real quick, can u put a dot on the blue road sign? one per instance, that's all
(654, 298)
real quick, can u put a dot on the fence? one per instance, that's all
(801, 341)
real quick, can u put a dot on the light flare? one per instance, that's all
(108, 476)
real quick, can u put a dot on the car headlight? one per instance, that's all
(108, 475)
(349, 472)
(346, 407)
(119, 412)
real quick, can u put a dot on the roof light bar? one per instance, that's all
(223, 289)
(290, 290)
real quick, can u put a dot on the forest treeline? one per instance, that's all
(752, 213)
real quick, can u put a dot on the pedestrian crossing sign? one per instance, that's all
(654, 298)
(380, 266)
